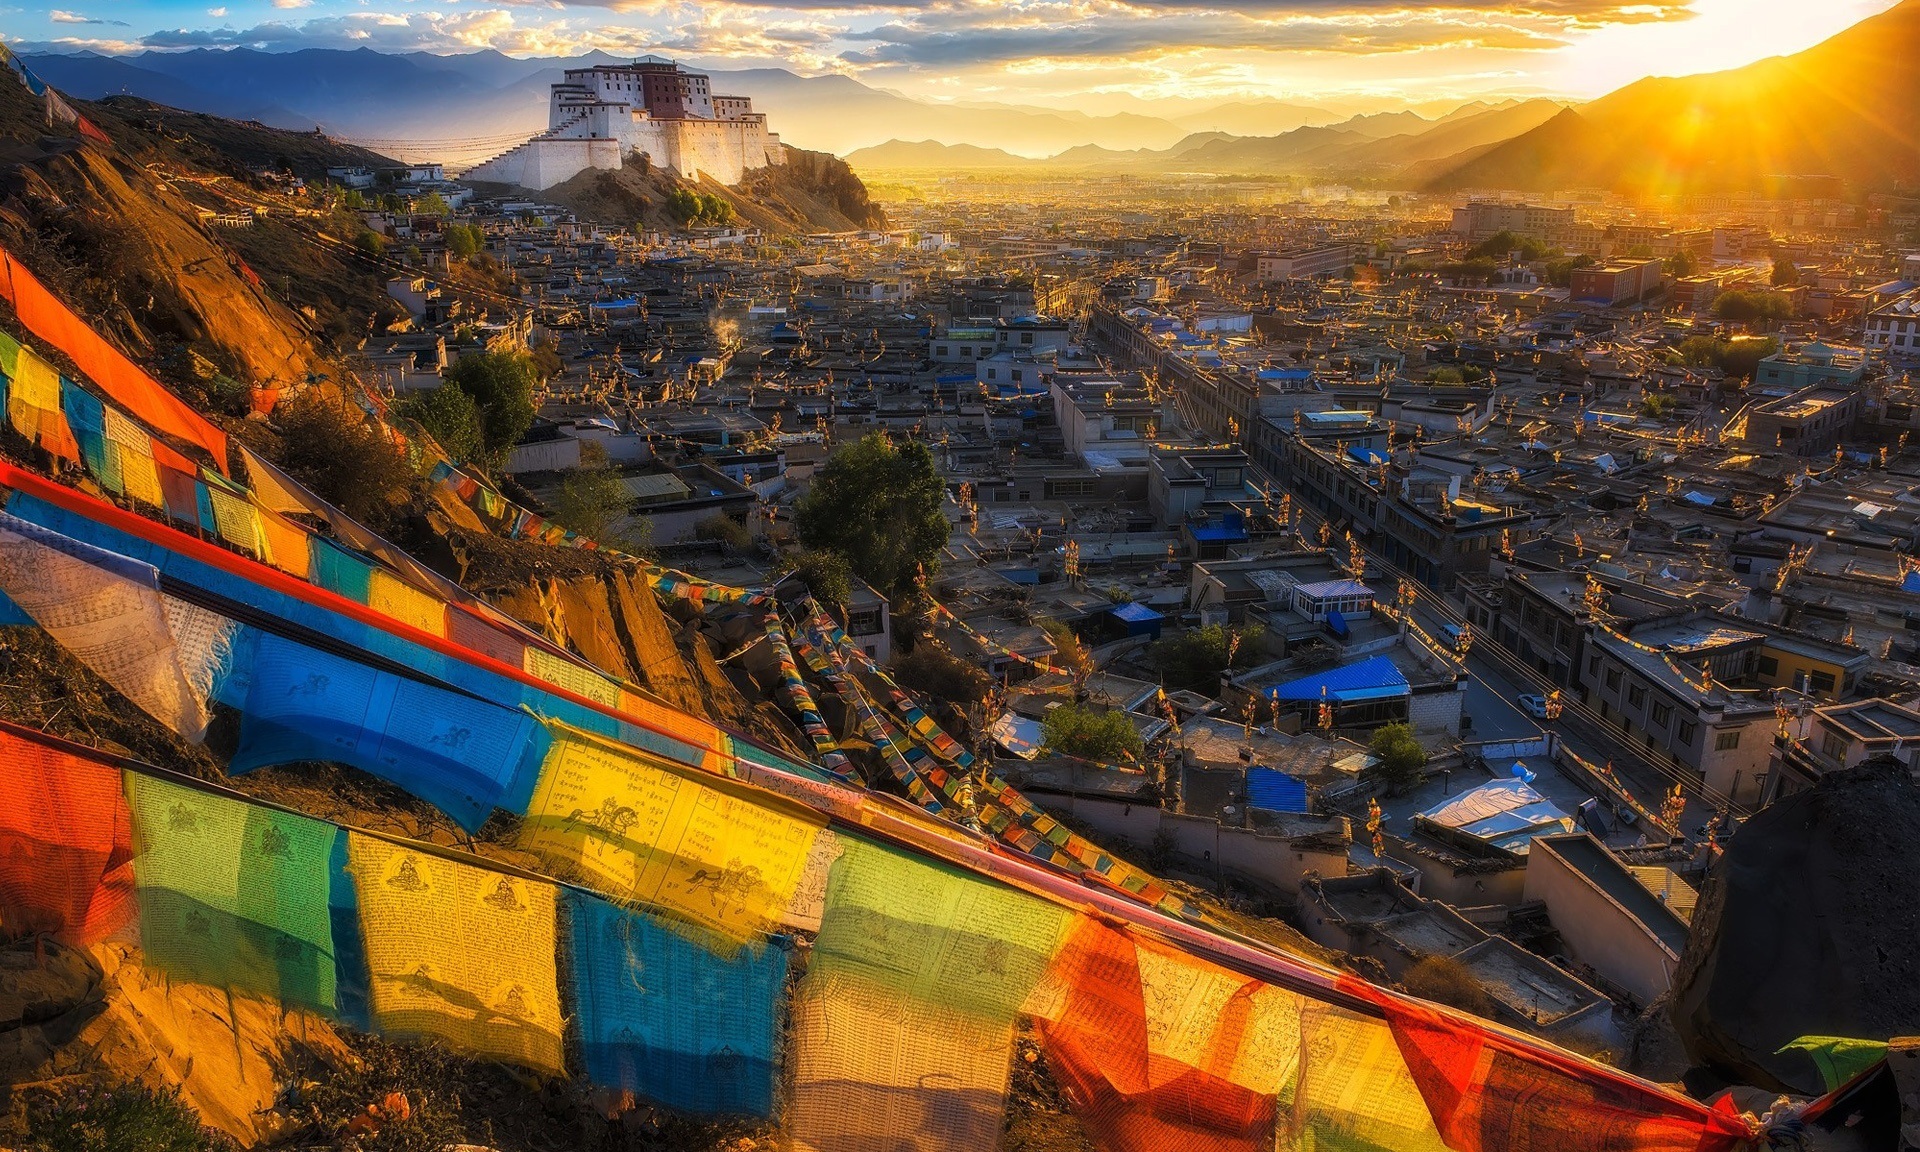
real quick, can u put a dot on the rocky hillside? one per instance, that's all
(811, 192)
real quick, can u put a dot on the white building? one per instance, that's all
(610, 115)
(1302, 263)
(1895, 327)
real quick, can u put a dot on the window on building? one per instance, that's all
(1769, 666)
(1593, 664)
(1727, 741)
(1661, 714)
(1821, 681)
(1684, 734)
(1613, 679)
(1835, 746)
(1636, 696)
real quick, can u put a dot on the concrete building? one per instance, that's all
(1483, 219)
(1811, 364)
(601, 117)
(1609, 920)
(1808, 423)
(1303, 263)
(1837, 737)
(1615, 282)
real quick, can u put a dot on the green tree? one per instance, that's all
(1499, 245)
(1680, 263)
(592, 501)
(370, 242)
(1746, 306)
(465, 241)
(450, 416)
(501, 385)
(1069, 653)
(432, 204)
(724, 529)
(1739, 357)
(877, 503)
(1786, 273)
(1092, 734)
(1196, 658)
(352, 200)
(825, 574)
(128, 1117)
(1658, 405)
(1402, 760)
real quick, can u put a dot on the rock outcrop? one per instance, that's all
(1807, 926)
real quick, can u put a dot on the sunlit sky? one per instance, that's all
(1089, 54)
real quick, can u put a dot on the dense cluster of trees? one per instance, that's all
(700, 208)
(1744, 306)
(1739, 357)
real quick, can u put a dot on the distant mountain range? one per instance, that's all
(1381, 143)
(1844, 108)
(467, 107)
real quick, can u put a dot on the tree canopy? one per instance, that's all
(501, 385)
(1744, 306)
(690, 207)
(1092, 734)
(450, 417)
(1402, 759)
(877, 503)
(1196, 658)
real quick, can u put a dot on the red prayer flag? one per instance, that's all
(1488, 1093)
(1129, 1099)
(66, 844)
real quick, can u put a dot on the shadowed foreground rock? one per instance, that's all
(1810, 925)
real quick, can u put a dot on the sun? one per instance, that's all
(1723, 34)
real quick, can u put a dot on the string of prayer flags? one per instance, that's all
(801, 700)
(459, 953)
(34, 406)
(664, 1018)
(720, 854)
(109, 612)
(66, 845)
(103, 364)
(391, 596)
(462, 754)
(233, 895)
(1486, 1096)
(903, 1028)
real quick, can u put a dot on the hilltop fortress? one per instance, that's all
(607, 115)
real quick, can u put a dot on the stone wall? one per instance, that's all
(721, 150)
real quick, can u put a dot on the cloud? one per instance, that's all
(216, 12)
(59, 17)
(291, 4)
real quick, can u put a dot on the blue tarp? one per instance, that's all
(1337, 624)
(1911, 581)
(662, 1017)
(1139, 619)
(1699, 498)
(1372, 679)
(1371, 457)
(1272, 790)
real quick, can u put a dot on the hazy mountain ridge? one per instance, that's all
(1841, 108)
(1363, 144)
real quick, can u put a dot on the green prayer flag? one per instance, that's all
(232, 894)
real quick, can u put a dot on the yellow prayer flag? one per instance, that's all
(134, 449)
(33, 390)
(874, 1069)
(566, 674)
(642, 829)
(1354, 1089)
(236, 519)
(459, 953)
(391, 596)
(269, 487)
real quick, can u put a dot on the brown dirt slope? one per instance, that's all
(812, 192)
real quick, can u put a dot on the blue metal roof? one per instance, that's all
(1136, 613)
(1272, 790)
(1372, 679)
(1368, 456)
